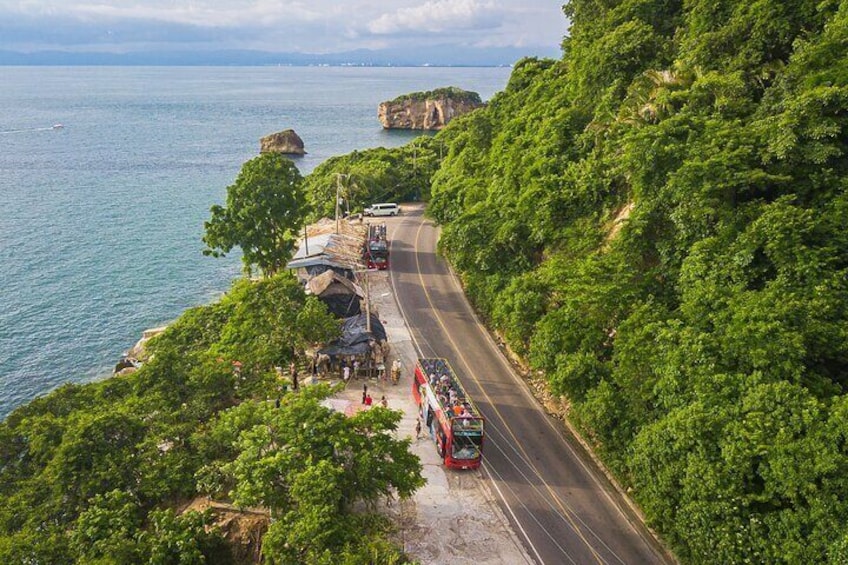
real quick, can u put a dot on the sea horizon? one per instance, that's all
(433, 56)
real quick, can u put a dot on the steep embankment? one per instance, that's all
(702, 341)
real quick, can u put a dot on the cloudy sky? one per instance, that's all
(308, 26)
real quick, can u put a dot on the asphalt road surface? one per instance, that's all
(559, 504)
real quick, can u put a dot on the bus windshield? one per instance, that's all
(467, 438)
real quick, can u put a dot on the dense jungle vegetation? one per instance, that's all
(402, 174)
(100, 473)
(659, 222)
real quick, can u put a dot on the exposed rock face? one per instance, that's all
(427, 110)
(286, 142)
(243, 528)
(138, 351)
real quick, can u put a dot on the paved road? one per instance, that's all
(558, 503)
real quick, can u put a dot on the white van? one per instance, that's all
(382, 209)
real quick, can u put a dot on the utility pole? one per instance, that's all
(339, 196)
(338, 189)
(365, 273)
(367, 304)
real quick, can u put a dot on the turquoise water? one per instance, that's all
(101, 220)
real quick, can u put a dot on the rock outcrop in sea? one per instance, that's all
(286, 142)
(427, 110)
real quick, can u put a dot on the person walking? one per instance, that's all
(293, 373)
(346, 373)
(396, 368)
(368, 400)
(384, 402)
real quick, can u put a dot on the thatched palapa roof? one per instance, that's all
(342, 250)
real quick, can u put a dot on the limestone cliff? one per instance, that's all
(427, 110)
(286, 142)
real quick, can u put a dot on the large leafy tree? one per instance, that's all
(310, 466)
(272, 320)
(265, 209)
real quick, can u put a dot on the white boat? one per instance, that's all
(58, 126)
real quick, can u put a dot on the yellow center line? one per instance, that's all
(566, 512)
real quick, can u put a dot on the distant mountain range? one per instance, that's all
(437, 56)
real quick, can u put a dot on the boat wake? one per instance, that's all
(28, 130)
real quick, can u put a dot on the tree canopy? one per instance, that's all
(447, 92)
(375, 175)
(264, 212)
(92, 474)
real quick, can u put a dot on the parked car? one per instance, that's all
(382, 209)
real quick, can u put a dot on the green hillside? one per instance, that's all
(99, 473)
(659, 222)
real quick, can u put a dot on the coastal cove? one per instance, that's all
(102, 219)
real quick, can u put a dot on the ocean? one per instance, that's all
(101, 219)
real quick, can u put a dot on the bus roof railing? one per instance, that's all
(440, 367)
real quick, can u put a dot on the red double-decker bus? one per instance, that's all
(448, 414)
(376, 251)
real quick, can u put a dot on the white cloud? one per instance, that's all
(208, 13)
(437, 16)
(312, 26)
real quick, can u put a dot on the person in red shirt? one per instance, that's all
(368, 400)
